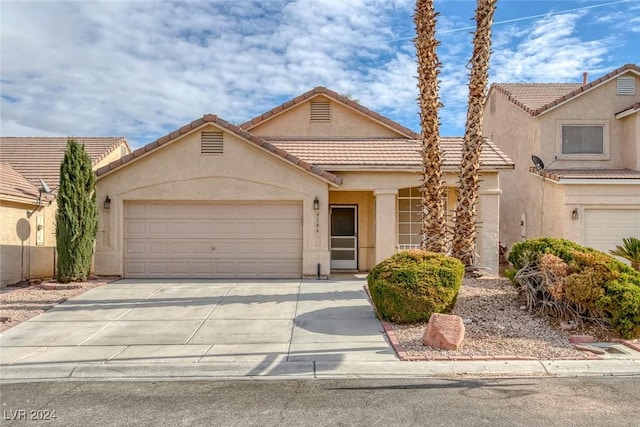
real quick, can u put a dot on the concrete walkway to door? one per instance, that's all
(265, 326)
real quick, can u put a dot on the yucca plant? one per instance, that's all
(630, 250)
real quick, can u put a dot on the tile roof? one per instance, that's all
(321, 90)
(365, 153)
(15, 185)
(560, 174)
(629, 110)
(40, 157)
(210, 118)
(537, 98)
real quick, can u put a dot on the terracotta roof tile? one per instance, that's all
(537, 98)
(631, 109)
(363, 153)
(15, 185)
(336, 97)
(210, 118)
(40, 157)
(560, 174)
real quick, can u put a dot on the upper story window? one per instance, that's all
(587, 140)
(626, 86)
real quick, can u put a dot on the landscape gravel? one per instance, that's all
(496, 324)
(18, 304)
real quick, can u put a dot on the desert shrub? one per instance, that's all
(569, 280)
(409, 286)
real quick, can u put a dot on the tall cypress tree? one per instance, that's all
(77, 216)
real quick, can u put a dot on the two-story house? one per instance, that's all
(584, 183)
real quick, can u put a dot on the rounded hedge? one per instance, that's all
(411, 285)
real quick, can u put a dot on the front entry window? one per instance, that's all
(410, 217)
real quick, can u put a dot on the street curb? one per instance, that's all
(319, 370)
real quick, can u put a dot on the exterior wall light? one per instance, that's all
(316, 204)
(107, 202)
(574, 214)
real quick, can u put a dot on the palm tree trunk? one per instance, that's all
(433, 216)
(465, 233)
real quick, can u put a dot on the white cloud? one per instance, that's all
(548, 51)
(141, 69)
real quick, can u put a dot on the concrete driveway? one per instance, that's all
(257, 322)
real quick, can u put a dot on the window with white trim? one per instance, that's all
(409, 217)
(587, 140)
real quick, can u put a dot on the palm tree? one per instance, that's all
(630, 250)
(464, 236)
(433, 217)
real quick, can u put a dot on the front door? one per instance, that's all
(344, 237)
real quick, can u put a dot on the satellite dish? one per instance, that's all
(44, 188)
(538, 162)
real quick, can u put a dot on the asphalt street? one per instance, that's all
(601, 401)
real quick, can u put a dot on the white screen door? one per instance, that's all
(344, 237)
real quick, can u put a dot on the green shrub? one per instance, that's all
(411, 285)
(597, 285)
(77, 215)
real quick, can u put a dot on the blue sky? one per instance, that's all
(141, 69)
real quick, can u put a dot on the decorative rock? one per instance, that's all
(568, 326)
(580, 339)
(444, 331)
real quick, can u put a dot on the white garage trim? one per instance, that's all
(212, 240)
(605, 228)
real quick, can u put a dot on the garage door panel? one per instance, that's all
(213, 240)
(605, 228)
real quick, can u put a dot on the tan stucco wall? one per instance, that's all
(344, 122)
(583, 197)
(385, 186)
(366, 223)
(114, 155)
(517, 134)
(601, 103)
(20, 257)
(179, 172)
(520, 136)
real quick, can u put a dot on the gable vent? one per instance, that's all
(320, 111)
(626, 86)
(211, 143)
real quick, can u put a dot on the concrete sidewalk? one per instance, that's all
(162, 329)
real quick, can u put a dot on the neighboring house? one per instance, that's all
(588, 137)
(27, 213)
(317, 184)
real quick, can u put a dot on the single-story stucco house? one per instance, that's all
(29, 169)
(316, 185)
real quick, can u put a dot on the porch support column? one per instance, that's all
(386, 223)
(488, 216)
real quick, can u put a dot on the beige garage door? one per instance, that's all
(605, 228)
(191, 240)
